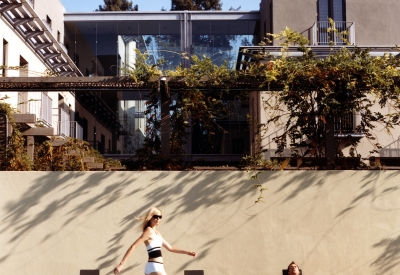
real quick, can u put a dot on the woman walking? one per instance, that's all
(153, 241)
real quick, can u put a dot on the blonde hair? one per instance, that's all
(146, 219)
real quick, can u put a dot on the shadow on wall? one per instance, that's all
(40, 194)
(186, 190)
(389, 260)
(390, 257)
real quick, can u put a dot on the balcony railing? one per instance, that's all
(391, 150)
(318, 34)
(76, 130)
(37, 103)
(61, 122)
(346, 124)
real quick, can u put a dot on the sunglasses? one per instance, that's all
(157, 217)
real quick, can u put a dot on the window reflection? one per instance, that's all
(221, 40)
(108, 48)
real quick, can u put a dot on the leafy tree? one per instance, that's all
(304, 95)
(235, 9)
(16, 157)
(200, 104)
(118, 5)
(314, 94)
(180, 5)
(67, 157)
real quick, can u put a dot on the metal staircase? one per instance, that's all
(37, 33)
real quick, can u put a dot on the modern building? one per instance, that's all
(113, 38)
(33, 35)
(43, 38)
(103, 44)
(370, 24)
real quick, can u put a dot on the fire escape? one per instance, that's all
(37, 34)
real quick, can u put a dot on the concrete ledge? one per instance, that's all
(88, 159)
(25, 118)
(95, 165)
(41, 131)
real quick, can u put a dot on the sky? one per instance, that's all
(153, 5)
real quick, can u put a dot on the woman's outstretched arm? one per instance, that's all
(170, 248)
(140, 240)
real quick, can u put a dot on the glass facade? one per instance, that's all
(104, 44)
(110, 41)
(221, 40)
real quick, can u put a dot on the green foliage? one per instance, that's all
(318, 91)
(180, 5)
(16, 157)
(143, 72)
(70, 156)
(117, 5)
(202, 101)
(67, 157)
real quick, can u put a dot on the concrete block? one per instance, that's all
(25, 118)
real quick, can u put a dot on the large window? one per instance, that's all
(107, 44)
(221, 40)
(335, 9)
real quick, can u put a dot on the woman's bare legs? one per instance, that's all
(157, 273)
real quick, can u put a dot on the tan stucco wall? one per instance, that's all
(376, 21)
(297, 15)
(338, 222)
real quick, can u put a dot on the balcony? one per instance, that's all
(318, 35)
(75, 130)
(61, 123)
(392, 150)
(37, 103)
(345, 126)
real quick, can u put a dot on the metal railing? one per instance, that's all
(391, 150)
(37, 103)
(61, 122)
(343, 126)
(318, 34)
(346, 123)
(76, 130)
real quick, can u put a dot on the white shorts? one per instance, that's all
(154, 267)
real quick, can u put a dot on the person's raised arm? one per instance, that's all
(170, 248)
(140, 240)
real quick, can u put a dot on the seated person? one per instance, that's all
(293, 269)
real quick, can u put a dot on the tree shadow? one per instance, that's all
(82, 194)
(369, 189)
(389, 260)
(211, 190)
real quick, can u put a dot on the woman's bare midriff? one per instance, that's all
(158, 259)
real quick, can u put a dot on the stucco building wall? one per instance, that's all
(329, 222)
(375, 21)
